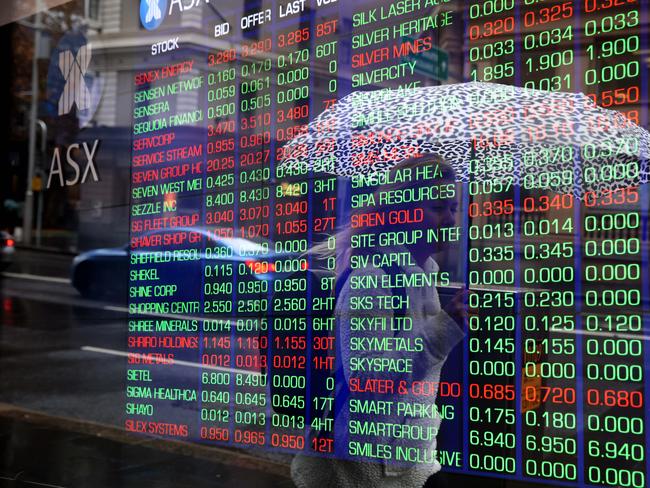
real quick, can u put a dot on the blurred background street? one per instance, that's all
(63, 356)
(47, 325)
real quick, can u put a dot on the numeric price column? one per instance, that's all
(614, 349)
(611, 53)
(291, 307)
(253, 222)
(547, 45)
(491, 40)
(218, 268)
(491, 340)
(549, 362)
(614, 374)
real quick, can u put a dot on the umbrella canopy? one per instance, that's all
(484, 130)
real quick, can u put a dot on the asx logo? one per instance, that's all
(74, 67)
(70, 81)
(153, 12)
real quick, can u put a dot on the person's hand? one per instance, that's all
(457, 308)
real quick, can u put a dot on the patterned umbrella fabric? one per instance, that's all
(494, 130)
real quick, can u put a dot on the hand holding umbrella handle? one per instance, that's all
(457, 308)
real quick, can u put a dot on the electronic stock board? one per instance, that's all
(295, 307)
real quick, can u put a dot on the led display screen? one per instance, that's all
(400, 234)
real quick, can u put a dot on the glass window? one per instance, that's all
(308, 242)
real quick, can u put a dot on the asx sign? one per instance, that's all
(64, 177)
(70, 81)
(74, 91)
(153, 12)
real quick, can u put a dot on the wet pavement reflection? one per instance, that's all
(60, 362)
(40, 454)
